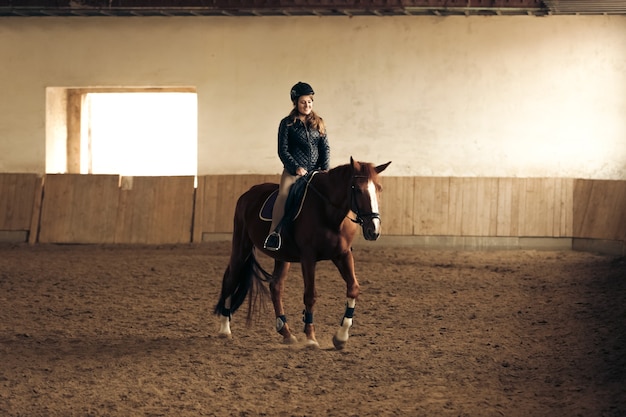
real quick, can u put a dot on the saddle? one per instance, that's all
(294, 203)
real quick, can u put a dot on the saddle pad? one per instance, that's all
(265, 213)
(267, 207)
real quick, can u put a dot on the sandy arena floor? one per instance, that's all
(129, 331)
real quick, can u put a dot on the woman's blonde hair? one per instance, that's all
(311, 120)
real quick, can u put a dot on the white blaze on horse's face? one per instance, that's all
(372, 231)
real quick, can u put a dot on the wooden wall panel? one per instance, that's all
(79, 208)
(600, 209)
(431, 206)
(508, 207)
(93, 209)
(545, 207)
(564, 226)
(204, 212)
(19, 198)
(533, 208)
(216, 198)
(473, 205)
(33, 234)
(455, 205)
(493, 207)
(155, 210)
(396, 205)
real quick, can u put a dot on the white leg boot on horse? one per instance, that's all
(225, 321)
(341, 337)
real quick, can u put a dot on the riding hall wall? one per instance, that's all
(68, 208)
(456, 96)
(494, 124)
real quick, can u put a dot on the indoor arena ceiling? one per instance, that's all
(307, 7)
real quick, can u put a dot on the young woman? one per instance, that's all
(302, 147)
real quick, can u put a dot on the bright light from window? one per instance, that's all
(139, 134)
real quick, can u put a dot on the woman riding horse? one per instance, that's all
(336, 202)
(302, 148)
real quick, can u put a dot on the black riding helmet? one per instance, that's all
(301, 89)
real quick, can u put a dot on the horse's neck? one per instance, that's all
(333, 185)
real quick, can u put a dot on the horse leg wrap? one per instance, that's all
(280, 323)
(349, 314)
(226, 308)
(346, 322)
(225, 323)
(308, 317)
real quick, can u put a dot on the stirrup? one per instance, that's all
(272, 242)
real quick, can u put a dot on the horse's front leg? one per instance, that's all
(310, 295)
(277, 287)
(345, 265)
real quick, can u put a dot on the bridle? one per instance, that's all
(354, 206)
(360, 216)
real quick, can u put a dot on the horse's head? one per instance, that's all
(365, 190)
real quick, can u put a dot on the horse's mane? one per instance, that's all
(361, 169)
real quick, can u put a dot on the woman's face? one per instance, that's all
(305, 105)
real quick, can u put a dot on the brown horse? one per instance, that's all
(336, 201)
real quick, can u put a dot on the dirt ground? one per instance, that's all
(129, 331)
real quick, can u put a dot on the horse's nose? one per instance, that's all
(371, 231)
(370, 235)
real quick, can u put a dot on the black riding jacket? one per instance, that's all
(301, 146)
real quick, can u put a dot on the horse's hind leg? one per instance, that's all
(277, 287)
(223, 308)
(236, 281)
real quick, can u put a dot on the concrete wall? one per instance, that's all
(456, 96)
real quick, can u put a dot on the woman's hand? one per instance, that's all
(301, 171)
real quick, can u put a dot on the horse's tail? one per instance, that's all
(238, 283)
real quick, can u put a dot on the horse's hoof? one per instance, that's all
(339, 344)
(290, 340)
(312, 344)
(225, 335)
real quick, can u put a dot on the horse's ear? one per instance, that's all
(381, 168)
(355, 165)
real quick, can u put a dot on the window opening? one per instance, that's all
(130, 132)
